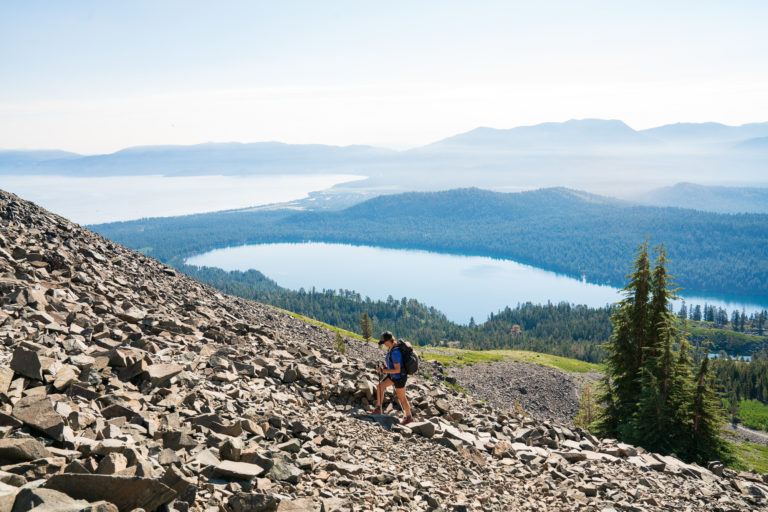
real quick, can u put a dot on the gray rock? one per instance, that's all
(20, 450)
(252, 502)
(292, 446)
(7, 496)
(285, 472)
(46, 500)
(127, 493)
(443, 406)
(424, 428)
(161, 374)
(231, 449)
(112, 463)
(239, 470)
(297, 505)
(6, 377)
(38, 412)
(27, 363)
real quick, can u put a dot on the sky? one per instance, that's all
(98, 76)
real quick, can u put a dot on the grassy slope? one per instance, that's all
(750, 456)
(754, 414)
(453, 356)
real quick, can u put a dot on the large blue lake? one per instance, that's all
(460, 286)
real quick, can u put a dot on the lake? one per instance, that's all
(460, 286)
(89, 200)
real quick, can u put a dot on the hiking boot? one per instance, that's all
(407, 420)
(376, 411)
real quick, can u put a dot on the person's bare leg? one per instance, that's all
(383, 385)
(403, 399)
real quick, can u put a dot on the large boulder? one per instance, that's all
(21, 450)
(239, 470)
(38, 412)
(46, 500)
(127, 493)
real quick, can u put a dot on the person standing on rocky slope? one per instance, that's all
(395, 376)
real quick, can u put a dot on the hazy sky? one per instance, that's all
(95, 76)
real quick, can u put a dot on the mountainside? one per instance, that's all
(701, 133)
(12, 158)
(576, 134)
(126, 383)
(709, 198)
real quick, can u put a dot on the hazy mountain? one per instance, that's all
(707, 133)
(601, 155)
(214, 158)
(10, 158)
(709, 198)
(576, 134)
(758, 144)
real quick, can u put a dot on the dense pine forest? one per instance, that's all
(557, 229)
(575, 331)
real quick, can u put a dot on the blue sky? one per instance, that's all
(101, 75)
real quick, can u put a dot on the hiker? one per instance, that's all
(395, 375)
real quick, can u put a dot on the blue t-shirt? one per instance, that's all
(394, 357)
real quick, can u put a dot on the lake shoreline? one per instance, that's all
(573, 289)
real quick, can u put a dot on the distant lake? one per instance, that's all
(89, 200)
(459, 286)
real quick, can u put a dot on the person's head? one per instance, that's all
(387, 339)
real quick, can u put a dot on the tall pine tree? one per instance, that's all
(621, 387)
(707, 419)
(650, 396)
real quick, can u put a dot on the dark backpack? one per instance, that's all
(410, 359)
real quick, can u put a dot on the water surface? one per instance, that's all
(462, 287)
(92, 200)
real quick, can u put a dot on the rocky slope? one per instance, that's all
(125, 386)
(545, 393)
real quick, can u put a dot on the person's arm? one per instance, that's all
(396, 369)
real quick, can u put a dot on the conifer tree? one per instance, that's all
(707, 419)
(366, 326)
(650, 396)
(680, 400)
(621, 387)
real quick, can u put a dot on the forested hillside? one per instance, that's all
(562, 329)
(557, 229)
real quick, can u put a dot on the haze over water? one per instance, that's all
(92, 200)
(462, 287)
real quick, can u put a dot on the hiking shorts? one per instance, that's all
(399, 383)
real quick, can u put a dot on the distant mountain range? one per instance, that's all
(571, 135)
(709, 198)
(583, 135)
(595, 154)
(198, 159)
(704, 133)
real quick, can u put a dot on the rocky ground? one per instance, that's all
(747, 434)
(545, 393)
(124, 386)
